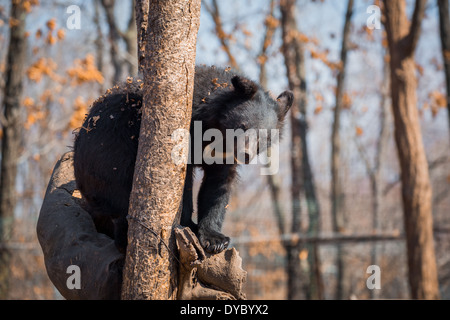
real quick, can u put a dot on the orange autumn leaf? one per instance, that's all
(369, 33)
(51, 24)
(85, 71)
(246, 32)
(271, 21)
(438, 99)
(420, 69)
(42, 67)
(359, 131)
(51, 40)
(303, 255)
(318, 97)
(28, 102)
(318, 109)
(28, 4)
(323, 56)
(80, 110)
(261, 59)
(32, 117)
(61, 34)
(302, 37)
(346, 101)
(13, 22)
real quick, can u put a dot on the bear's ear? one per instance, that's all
(284, 101)
(244, 87)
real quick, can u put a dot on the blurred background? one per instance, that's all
(334, 208)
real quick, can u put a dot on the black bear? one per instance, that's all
(105, 150)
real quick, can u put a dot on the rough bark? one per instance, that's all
(444, 28)
(416, 188)
(141, 16)
(11, 121)
(155, 200)
(337, 196)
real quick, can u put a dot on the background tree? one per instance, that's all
(403, 36)
(158, 182)
(444, 28)
(294, 59)
(12, 124)
(337, 196)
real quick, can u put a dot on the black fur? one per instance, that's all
(106, 146)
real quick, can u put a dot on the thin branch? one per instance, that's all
(267, 41)
(431, 166)
(221, 34)
(414, 32)
(295, 238)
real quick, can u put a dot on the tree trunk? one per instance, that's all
(337, 196)
(272, 180)
(376, 174)
(374, 171)
(99, 42)
(296, 277)
(444, 27)
(155, 200)
(12, 132)
(416, 188)
(295, 65)
(114, 37)
(129, 36)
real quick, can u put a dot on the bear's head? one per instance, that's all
(249, 119)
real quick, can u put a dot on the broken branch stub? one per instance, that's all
(203, 276)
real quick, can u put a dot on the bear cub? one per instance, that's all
(106, 145)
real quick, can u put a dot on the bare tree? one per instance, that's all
(444, 28)
(221, 34)
(337, 197)
(295, 275)
(99, 42)
(11, 121)
(403, 36)
(272, 180)
(155, 201)
(129, 35)
(373, 168)
(114, 37)
(294, 59)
